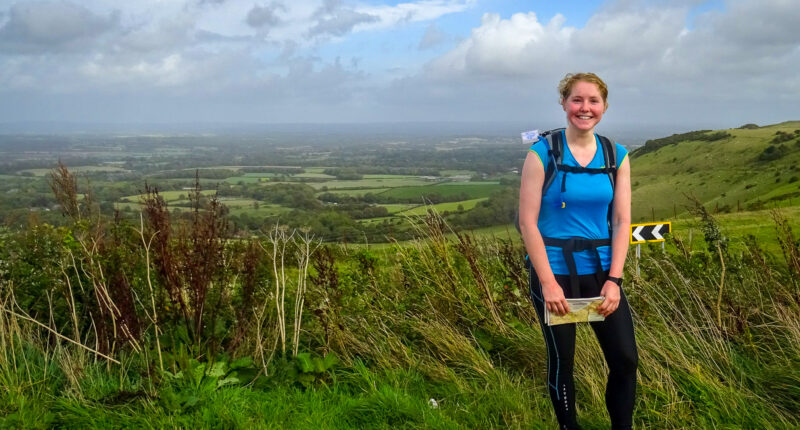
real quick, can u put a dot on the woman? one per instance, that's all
(581, 223)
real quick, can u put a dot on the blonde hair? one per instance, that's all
(566, 84)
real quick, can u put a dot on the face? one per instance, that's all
(584, 106)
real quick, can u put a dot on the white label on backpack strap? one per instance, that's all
(530, 136)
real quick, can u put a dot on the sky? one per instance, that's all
(687, 63)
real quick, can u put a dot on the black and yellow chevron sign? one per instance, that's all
(650, 231)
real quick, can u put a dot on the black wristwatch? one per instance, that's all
(615, 280)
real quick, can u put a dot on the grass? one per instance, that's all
(399, 207)
(413, 324)
(724, 173)
(442, 207)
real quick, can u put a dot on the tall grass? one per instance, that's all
(375, 335)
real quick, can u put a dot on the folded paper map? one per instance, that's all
(580, 310)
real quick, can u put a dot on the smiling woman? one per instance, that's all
(576, 235)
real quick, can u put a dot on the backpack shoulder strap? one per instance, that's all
(610, 158)
(555, 149)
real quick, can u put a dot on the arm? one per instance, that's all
(621, 222)
(530, 200)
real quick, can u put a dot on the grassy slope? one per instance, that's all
(724, 174)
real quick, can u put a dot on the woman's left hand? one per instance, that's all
(612, 297)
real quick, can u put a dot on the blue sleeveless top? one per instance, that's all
(585, 210)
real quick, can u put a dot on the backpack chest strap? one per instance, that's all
(578, 169)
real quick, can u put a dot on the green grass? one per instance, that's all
(318, 170)
(129, 205)
(238, 202)
(725, 173)
(442, 207)
(737, 226)
(399, 207)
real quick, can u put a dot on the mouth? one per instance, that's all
(584, 117)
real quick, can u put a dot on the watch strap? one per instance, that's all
(615, 280)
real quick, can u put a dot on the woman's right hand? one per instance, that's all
(554, 298)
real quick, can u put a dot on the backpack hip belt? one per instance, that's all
(577, 244)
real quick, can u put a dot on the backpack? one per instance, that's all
(554, 140)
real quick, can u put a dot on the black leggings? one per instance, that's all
(616, 338)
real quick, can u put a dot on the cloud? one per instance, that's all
(264, 16)
(507, 47)
(276, 60)
(340, 22)
(432, 38)
(36, 27)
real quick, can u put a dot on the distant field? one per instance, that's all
(264, 210)
(168, 196)
(76, 169)
(474, 190)
(390, 176)
(238, 202)
(393, 182)
(315, 169)
(399, 207)
(260, 174)
(247, 179)
(313, 175)
(127, 205)
(441, 207)
(467, 183)
(355, 193)
(456, 172)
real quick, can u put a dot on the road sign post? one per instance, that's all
(648, 232)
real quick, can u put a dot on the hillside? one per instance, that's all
(729, 170)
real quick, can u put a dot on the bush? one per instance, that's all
(772, 153)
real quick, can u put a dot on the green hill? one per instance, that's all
(730, 170)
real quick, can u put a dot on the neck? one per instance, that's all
(580, 137)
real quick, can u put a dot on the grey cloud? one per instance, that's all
(762, 24)
(341, 22)
(264, 16)
(328, 7)
(432, 37)
(38, 27)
